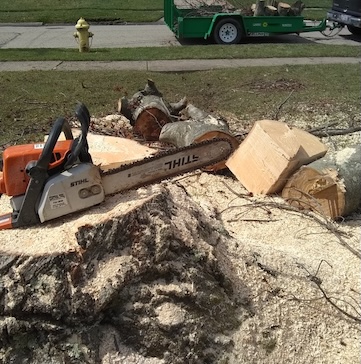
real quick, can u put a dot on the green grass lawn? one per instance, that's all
(31, 101)
(69, 11)
(240, 51)
(116, 11)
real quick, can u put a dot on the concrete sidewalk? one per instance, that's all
(39, 36)
(182, 65)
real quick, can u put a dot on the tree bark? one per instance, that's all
(330, 185)
(199, 126)
(259, 8)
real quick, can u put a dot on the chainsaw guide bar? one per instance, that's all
(165, 165)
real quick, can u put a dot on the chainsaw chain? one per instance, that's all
(167, 153)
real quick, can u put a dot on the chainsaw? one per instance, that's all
(47, 180)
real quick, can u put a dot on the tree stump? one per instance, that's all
(330, 186)
(66, 284)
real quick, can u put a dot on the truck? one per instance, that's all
(196, 19)
(347, 13)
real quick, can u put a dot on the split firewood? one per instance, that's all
(283, 9)
(270, 154)
(148, 111)
(330, 186)
(198, 127)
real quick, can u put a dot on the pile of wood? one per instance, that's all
(274, 158)
(275, 8)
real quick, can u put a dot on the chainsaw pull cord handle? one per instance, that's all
(80, 146)
(38, 172)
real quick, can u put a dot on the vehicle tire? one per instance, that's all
(228, 31)
(354, 30)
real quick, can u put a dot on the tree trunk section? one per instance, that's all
(148, 111)
(259, 8)
(270, 10)
(283, 9)
(330, 185)
(150, 116)
(270, 154)
(199, 126)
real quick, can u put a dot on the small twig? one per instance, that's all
(334, 132)
(313, 278)
(281, 105)
(329, 300)
(323, 127)
(322, 220)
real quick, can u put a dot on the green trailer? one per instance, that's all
(231, 27)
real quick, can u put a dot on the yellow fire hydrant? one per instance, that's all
(83, 35)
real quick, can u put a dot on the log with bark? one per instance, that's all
(259, 8)
(148, 111)
(330, 186)
(270, 10)
(198, 126)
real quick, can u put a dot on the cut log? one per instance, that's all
(283, 9)
(259, 8)
(199, 126)
(330, 186)
(148, 111)
(150, 116)
(270, 154)
(270, 10)
(311, 148)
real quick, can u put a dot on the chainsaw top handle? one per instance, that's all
(60, 125)
(79, 149)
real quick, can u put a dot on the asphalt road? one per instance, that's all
(134, 35)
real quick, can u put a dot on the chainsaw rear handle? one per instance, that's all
(80, 147)
(38, 172)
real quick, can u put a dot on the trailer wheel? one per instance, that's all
(354, 30)
(227, 31)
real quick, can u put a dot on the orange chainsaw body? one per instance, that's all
(14, 179)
